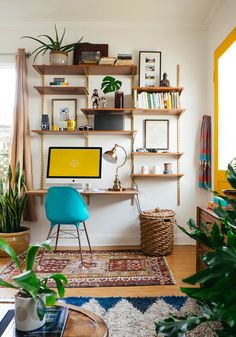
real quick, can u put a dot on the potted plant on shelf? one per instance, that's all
(12, 203)
(34, 294)
(58, 52)
(110, 84)
(216, 295)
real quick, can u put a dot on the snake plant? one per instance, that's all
(12, 200)
(27, 281)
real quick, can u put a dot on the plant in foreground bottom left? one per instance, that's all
(34, 294)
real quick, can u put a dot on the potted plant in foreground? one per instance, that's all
(34, 294)
(58, 52)
(12, 203)
(216, 295)
(110, 84)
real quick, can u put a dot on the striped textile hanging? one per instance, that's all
(204, 180)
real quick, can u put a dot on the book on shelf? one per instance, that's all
(156, 100)
(124, 56)
(124, 62)
(54, 327)
(107, 60)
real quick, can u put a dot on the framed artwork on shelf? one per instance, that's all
(63, 109)
(149, 68)
(89, 53)
(157, 134)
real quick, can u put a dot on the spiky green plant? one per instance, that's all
(12, 200)
(54, 44)
(27, 281)
(215, 286)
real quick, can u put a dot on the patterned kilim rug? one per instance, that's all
(136, 316)
(104, 268)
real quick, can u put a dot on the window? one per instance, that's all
(225, 114)
(7, 94)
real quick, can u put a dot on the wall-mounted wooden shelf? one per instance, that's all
(86, 69)
(159, 154)
(82, 133)
(137, 175)
(174, 112)
(60, 90)
(159, 89)
(110, 111)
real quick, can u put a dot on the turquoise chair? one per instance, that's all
(65, 206)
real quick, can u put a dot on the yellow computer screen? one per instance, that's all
(74, 162)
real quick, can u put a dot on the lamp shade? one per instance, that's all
(110, 156)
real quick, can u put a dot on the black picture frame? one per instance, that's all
(149, 68)
(157, 134)
(89, 53)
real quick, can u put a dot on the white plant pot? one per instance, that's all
(26, 317)
(58, 58)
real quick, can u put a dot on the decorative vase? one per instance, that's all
(26, 317)
(58, 57)
(19, 241)
(119, 99)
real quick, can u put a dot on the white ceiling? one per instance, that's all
(197, 11)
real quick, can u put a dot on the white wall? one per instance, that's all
(113, 220)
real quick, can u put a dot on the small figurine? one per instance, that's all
(95, 99)
(165, 82)
(104, 102)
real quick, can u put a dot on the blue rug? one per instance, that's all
(136, 316)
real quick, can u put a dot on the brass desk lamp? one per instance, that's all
(111, 157)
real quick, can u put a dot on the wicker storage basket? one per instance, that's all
(156, 227)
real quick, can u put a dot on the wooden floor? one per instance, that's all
(181, 263)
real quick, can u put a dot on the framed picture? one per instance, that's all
(149, 68)
(89, 53)
(157, 134)
(63, 109)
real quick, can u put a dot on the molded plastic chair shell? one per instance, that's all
(64, 205)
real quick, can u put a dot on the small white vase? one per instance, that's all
(26, 317)
(58, 57)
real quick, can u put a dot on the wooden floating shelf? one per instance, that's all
(128, 192)
(174, 175)
(111, 111)
(161, 154)
(173, 112)
(159, 89)
(86, 69)
(60, 90)
(84, 133)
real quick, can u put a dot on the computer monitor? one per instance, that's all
(67, 165)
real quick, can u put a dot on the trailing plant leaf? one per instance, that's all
(32, 252)
(8, 249)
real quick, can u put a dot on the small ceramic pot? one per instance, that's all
(26, 317)
(58, 57)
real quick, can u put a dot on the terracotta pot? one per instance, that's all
(18, 241)
(58, 57)
(26, 317)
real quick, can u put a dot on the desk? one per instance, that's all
(80, 322)
(130, 193)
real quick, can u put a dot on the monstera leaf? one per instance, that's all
(110, 84)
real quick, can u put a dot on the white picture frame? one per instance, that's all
(157, 134)
(63, 109)
(149, 68)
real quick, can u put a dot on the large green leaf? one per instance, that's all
(41, 308)
(6, 284)
(110, 84)
(60, 280)
(7, 249)
(32, 253)
(29, 282)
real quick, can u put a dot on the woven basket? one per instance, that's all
(156, 227)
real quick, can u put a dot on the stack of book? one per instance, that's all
(107, 60)
(124, 59)
(157, 100)
(59, 81)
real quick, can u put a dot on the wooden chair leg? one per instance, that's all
(86, 233)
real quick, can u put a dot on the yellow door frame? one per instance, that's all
(220, 180)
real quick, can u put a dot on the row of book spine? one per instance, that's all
(156, 100)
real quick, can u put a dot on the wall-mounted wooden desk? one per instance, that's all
(129, 193)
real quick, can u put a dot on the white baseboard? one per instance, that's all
(113, 240)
